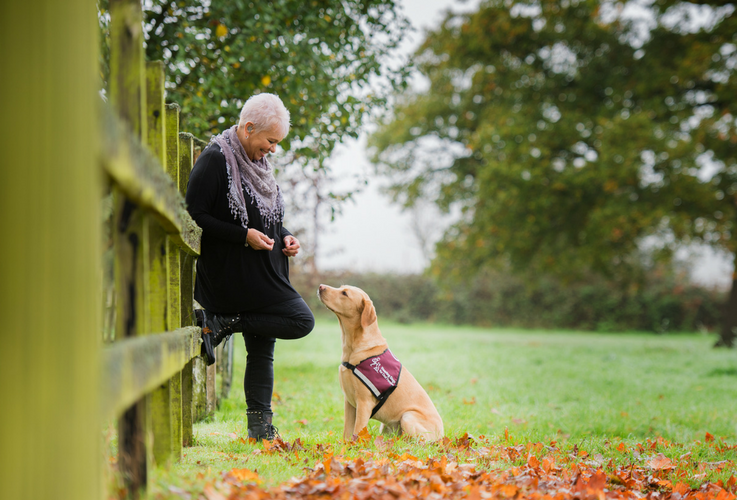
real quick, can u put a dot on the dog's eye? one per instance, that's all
(345, 293)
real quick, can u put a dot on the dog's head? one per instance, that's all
(349, 303)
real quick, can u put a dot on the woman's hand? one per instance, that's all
(291, 246)
(258, 240)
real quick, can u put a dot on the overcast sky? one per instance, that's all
(373, 234)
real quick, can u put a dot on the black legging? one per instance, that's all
(288, 321)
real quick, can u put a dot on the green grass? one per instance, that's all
(592, 390)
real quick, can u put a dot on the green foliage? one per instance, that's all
(661, 304)
(318, 56)
(578, 134)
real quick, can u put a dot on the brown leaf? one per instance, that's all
(709, 438)
(660, 462)
(681, 489)
(211, 494)
(382, 444)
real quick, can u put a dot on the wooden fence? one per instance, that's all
(63, 148)
(155, 383)
(61, 145)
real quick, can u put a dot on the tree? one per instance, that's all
(327, 59)
(589, 133)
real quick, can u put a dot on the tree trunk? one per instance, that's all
(729, 320)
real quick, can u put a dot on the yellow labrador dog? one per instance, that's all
(374, 383)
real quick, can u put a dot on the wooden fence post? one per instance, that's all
(127, 84)
(202, 377)
(50, 248)
(161, 397)
(174, 295)
(186, 277)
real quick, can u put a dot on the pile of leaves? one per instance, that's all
(476, 469)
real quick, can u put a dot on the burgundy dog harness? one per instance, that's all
(380, 374)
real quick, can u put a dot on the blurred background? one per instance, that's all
(556, 164)
(548, 164)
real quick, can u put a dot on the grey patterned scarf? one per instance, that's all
(256, 177)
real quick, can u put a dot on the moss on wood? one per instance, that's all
(141, 177)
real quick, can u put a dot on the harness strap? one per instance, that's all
(382, 397)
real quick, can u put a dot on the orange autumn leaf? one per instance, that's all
(508, 490)
(406, 456)
(327, 462)
(560, 474)
(245, 475)
(660, 462)
(682, 489)
(363, 436)
(597, 482)
(709, 437)
(725, 495)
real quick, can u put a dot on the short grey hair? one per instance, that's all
(265, 111)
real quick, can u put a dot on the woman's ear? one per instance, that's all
(368, 315)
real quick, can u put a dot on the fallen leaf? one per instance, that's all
(363, 436)
(382, 444)
(244, 476)
(709, 438)
(682, 489)
(212, 494)
(508, 490)
(660, 462)
(725, 495)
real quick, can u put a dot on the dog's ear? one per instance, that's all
(368, 315)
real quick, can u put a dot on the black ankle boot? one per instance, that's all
(215, 328)
(260, 427)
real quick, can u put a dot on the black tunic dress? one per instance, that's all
(231, 277)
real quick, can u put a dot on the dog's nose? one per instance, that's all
(321, 287)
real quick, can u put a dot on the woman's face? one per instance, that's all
(259, 143)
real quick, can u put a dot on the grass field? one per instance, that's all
(590, 390)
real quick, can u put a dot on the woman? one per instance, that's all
(243, 269)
